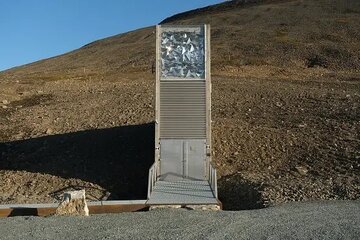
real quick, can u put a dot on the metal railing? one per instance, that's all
(213, 179)
(152, 178)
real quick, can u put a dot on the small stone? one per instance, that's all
(19, 136)
(302, 170)
(73, 204)
(4, 107)
(49, 131)
(5, 102)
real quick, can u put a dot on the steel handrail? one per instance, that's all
(152, 178)
(213, 179)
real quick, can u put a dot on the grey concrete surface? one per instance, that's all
(310, 220)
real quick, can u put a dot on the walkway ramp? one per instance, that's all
(181, 193)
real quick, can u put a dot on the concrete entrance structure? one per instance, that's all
(182, 172)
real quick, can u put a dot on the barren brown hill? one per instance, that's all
(286, 93)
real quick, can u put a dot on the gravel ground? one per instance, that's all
(306, 220)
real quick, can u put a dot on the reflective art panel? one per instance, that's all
(182, 53)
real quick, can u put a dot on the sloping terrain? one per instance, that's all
(286, 93)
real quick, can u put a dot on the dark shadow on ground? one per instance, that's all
(118, 159)
(236, 193)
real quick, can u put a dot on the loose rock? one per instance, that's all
(49, 131)
(302, 170)
(73, 204)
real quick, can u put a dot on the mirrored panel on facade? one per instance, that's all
(182, 51)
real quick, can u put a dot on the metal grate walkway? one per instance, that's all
(182, 192)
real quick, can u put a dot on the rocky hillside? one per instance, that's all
(281, 33)
(286, 116)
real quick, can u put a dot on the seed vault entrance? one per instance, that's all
(182, 172)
